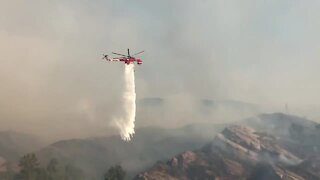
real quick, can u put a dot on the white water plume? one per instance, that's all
(125, 122)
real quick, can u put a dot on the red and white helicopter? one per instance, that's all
(127, 59)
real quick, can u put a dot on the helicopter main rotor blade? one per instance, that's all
(138, 53)
(119, 57)
(118, 54)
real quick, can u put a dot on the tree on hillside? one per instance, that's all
(30, 169)
(115, 173)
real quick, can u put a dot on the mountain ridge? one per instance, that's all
(97, 154)
(240, 152)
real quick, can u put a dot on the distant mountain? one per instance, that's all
(240, 152)
(203, 103)
(151, 101)
(13, 145)
(157, 111)
(229, 104)
(96, 155)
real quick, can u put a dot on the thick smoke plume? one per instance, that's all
(125, 122)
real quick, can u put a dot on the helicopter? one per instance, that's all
(127, 59)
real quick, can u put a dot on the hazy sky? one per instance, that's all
(53, 79)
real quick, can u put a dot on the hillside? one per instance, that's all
(96, 155)
(240, 152)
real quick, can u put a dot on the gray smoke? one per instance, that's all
(52, 82)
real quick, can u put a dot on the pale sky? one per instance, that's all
(54, 82)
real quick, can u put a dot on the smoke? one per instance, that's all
(125, 122)
(53, 83)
